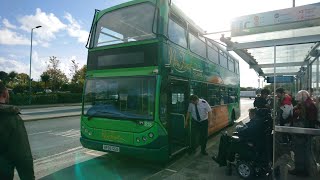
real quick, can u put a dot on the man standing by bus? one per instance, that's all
(15, 149)
(200, 111)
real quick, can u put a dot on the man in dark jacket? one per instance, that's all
(15, 149)
(252, 131)
(261, 101)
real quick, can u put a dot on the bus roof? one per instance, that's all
(119, 6)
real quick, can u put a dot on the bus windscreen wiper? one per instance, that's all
(103, 114)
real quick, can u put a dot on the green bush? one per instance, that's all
(52, 98)
(19, 99)
(69, 97)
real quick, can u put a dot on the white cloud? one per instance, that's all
(38, 65)
(74, 29)
(49, 22)
(12, 64)
(7, 24)
(8, 65)
(9, 37)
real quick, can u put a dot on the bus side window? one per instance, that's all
(223, 95)
(199, 89)
(213, 95)
(231, 95)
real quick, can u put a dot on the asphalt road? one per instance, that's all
(52, 136)
(58, 153)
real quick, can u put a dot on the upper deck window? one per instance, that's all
(223, 59)
(177, 31)
(230, 64)
(132, 23)
(213, 53)
(236, 67)
(197, 46)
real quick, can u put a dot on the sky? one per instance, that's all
(66, 25)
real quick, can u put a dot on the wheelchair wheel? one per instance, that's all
(245, 170)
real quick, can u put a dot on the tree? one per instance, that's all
(45, 77)
(12, 78)
(20, 88)
(79, 76)
(78, 79)
(57, 77)
(22, 78)
(3, 77)
(74, 67)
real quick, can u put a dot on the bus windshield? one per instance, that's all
(127, 24)
(120, 98)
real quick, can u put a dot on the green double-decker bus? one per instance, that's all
(145, 58)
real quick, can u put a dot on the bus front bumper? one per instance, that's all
(160, 154)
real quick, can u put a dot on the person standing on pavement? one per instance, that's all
(304, 116)
(261, 101)
(200, 112)
(285, 110)
(15, 151)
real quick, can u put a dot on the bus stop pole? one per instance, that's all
(317, 76)
(274, 108)
(293, 3)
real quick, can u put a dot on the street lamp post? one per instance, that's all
(30, 63)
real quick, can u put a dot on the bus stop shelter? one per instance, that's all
(283, 46)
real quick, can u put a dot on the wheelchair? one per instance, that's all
(249, 157)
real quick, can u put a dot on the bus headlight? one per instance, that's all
(151, 135)
(138, 139)
(144, 138)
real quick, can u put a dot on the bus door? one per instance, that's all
(177, 106)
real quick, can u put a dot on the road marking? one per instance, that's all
(171, 170)
(43, 132)
(95, 153)
(69, 133)
(58, 154)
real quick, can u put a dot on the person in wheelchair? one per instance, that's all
(251, 134)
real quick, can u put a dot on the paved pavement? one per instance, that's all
(41, 112)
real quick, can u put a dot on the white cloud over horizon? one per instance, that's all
(51, 27)
(49, 22)
(74, 29)
(8, 37)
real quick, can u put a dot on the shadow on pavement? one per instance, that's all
(107, 167)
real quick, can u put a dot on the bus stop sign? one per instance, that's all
(280, 79)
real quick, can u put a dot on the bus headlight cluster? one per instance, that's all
(151, 135)
(145, 138)
(87, 131)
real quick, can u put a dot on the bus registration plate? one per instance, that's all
(111, 148)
